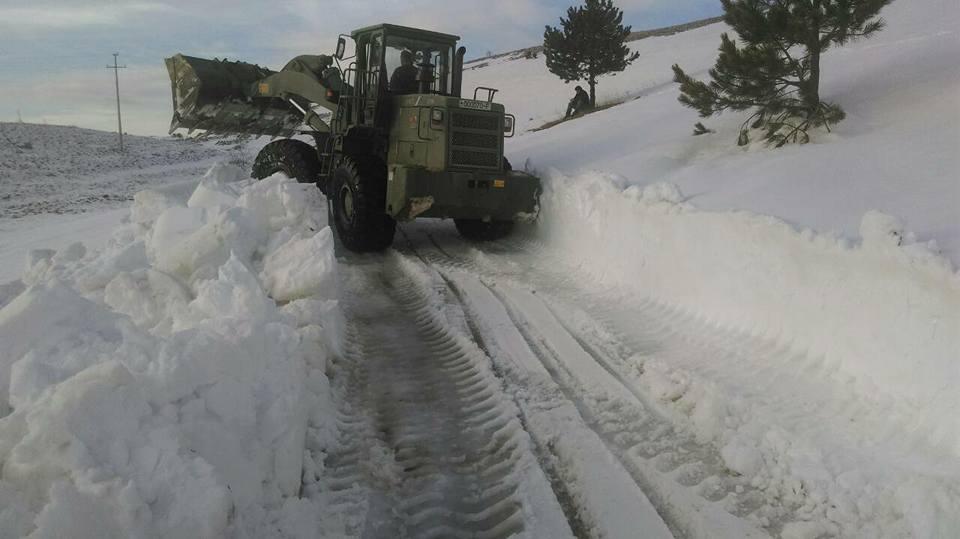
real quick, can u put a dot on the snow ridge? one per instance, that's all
(156, 387)
(883, 315)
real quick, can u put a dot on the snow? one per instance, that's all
(773, 434)
(759, 275)
(841, 254)
(61, 169)
(605, 485)
(20, 236)
(792, 314)
(880, 321)
(898, 150)
(153, 387)
(301, 267)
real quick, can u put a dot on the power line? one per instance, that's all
(116, 78)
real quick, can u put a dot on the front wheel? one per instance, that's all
(478, 230)
(298, 160)
(358, 191)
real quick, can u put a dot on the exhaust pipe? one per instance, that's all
(458, 71)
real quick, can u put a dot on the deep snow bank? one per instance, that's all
(155, 388)
(883, 313)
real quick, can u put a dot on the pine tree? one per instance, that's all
(775, 68)
(589, 44)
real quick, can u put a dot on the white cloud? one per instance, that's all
(53, 17)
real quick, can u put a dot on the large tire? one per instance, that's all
(357, 194)
(477, 230)
(294, 158)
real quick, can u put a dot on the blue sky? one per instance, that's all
(53, 53)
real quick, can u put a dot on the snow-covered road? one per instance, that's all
(437, 446)
(493, 391)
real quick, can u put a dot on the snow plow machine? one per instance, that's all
(393, 138)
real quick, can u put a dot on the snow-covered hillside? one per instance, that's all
(60, 169)
(898, 151)
(60, 184)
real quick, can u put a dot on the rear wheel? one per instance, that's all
(358, 192)
(478, 230)
(294, 158)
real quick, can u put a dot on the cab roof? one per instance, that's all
(407, 31)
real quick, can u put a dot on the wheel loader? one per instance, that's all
(387, 133)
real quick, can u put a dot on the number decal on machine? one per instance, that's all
(474, 105)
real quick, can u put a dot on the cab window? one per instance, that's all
(405, 58)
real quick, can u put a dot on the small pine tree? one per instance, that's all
(776, 67)
(589, 44)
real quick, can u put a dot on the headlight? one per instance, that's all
(508, 124)
(436, 116)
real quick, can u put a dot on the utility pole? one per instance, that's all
(116, 78)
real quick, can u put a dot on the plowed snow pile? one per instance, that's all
(155, 388)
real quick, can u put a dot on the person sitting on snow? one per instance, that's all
(579, 104)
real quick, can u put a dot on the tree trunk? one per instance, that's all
(812, 91)
(593, 92)
(813, 83)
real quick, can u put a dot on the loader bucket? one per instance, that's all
(218, 96)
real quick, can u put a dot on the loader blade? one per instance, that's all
(219, 96)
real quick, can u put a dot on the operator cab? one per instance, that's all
(428, 64)
(426, 61)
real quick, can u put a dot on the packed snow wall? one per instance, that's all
(881, 311)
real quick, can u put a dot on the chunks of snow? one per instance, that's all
(217, 189)
(301, 267)
(155, 388)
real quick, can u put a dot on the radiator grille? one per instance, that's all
(475, 159)
(485, 122)
(475, 140)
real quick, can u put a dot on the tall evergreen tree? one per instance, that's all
(775, 67)
(588, 44)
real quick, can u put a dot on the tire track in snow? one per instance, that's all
(442, 452)
(687, 481)
(794, 411)
(344, 477)
(608, 503)
(657, 456)
(572, 510)
(778, 402)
